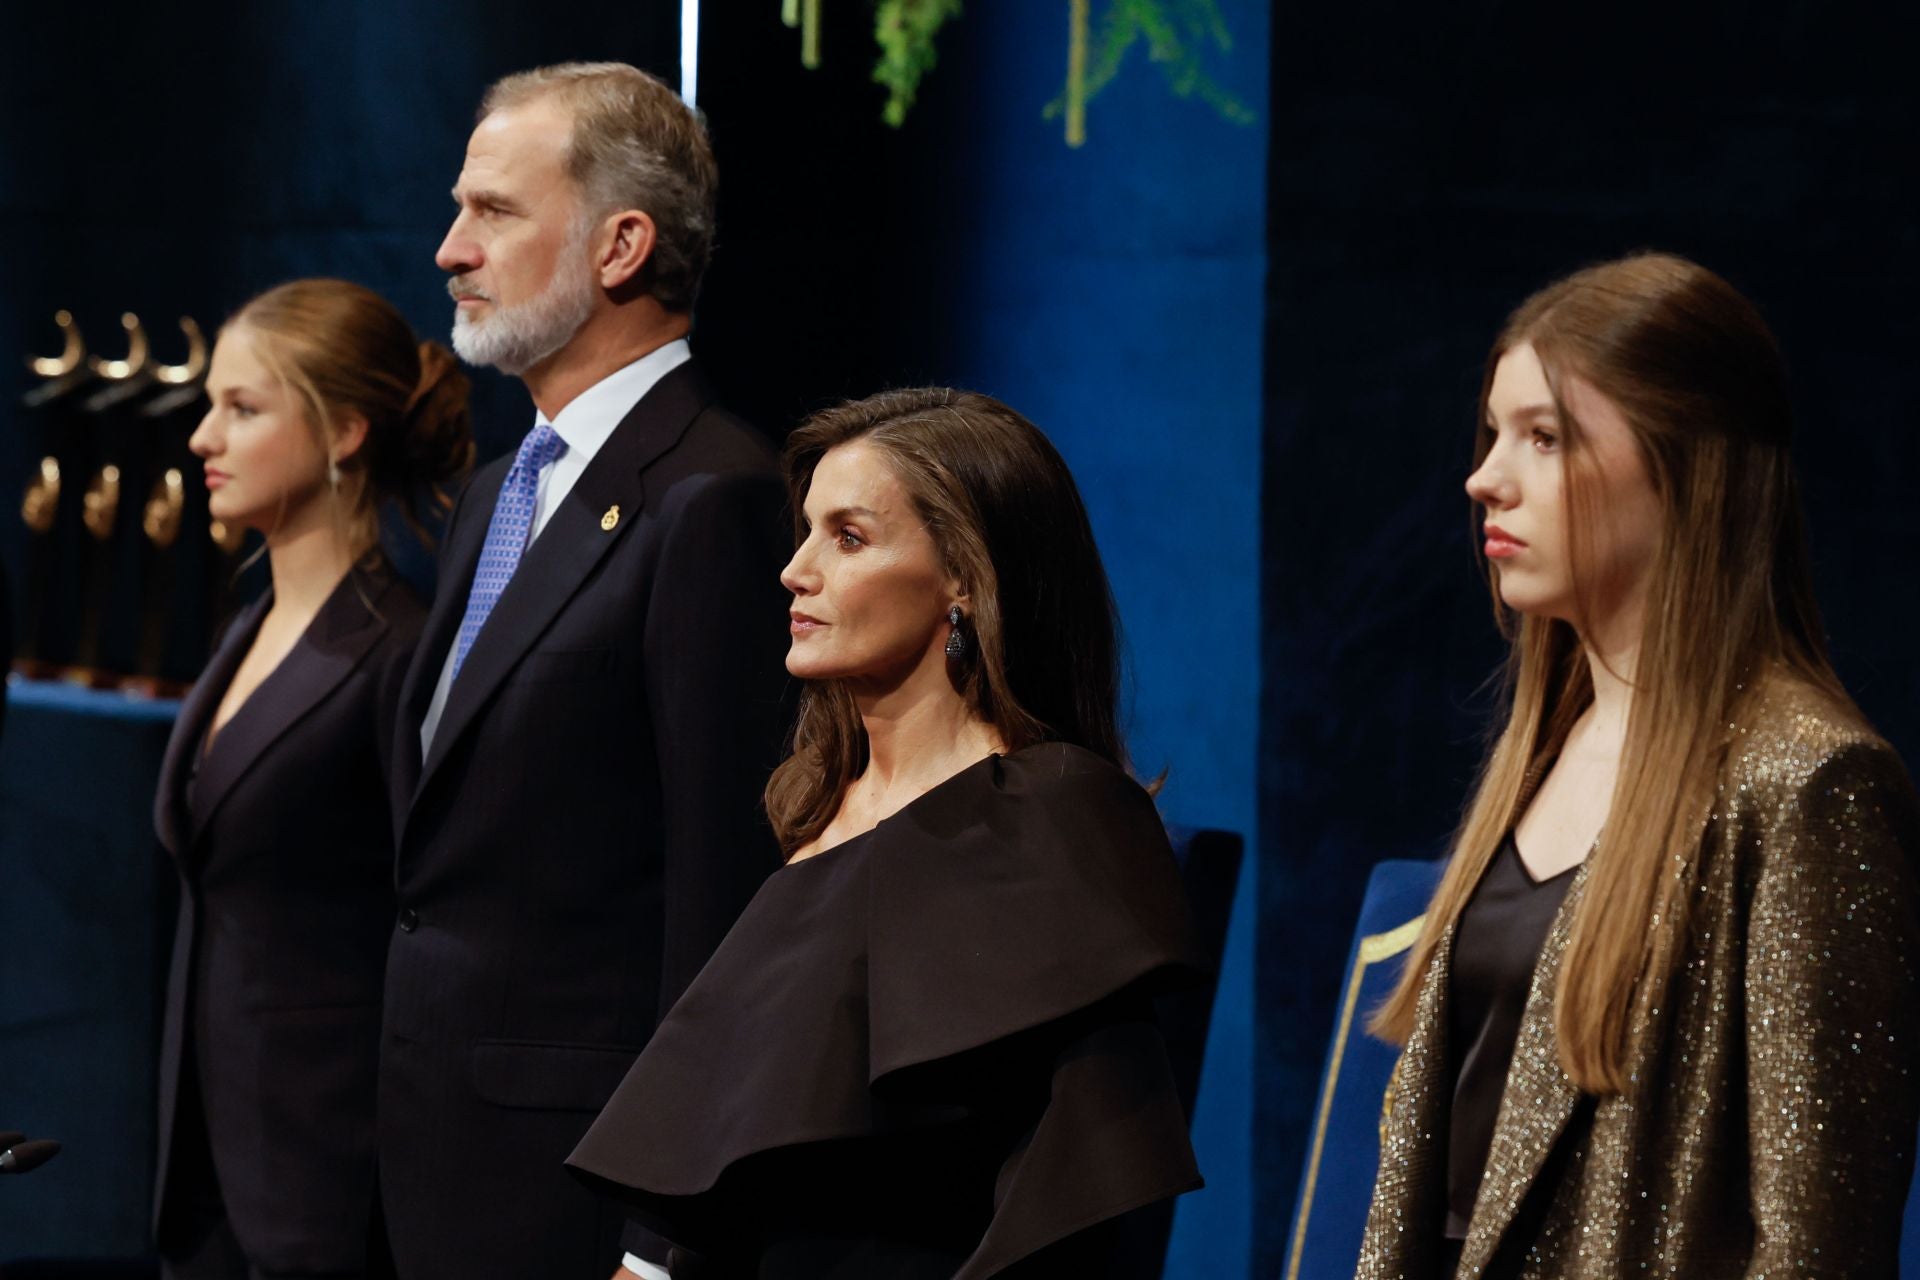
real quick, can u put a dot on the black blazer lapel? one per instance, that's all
(339, 636)
(170, 817)
(566, 551)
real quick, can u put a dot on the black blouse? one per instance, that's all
(928, 1051)
(1495, 948)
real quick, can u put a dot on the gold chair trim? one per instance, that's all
(1374, 948)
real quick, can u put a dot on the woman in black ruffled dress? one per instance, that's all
(927, 1049)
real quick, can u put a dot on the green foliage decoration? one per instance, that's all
(905, 30)
(1178, 35)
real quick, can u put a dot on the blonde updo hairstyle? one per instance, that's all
(341, 350)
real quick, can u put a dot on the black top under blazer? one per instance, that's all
(284, 844)
(583, 831)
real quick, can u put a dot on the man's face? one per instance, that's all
(517, 250)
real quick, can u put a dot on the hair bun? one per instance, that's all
(438, 427)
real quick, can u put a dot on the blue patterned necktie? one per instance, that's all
(506, 534)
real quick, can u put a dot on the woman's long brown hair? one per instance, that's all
(1697, 375)
(1042, 662)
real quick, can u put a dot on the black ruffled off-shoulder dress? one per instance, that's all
(927, 1052)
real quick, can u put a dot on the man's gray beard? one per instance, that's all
(515, 339)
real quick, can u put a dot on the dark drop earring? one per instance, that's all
(956, 642)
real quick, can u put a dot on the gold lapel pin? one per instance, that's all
(610, 519)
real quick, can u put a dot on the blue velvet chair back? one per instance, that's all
(1210, 870)
(1343, 1146)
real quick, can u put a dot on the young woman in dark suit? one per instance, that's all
(926, 1049)
(273, 796)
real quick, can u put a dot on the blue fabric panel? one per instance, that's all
(57, 700)
(1343, 1146)
(1210, 870)
(1210, 864)
(89, 900)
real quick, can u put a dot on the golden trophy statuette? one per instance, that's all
(160, 519)
(101, 501)
(137, 352)
(42, 502)
(72, 350)
(179, 375)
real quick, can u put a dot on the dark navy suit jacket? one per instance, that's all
(583, 830)
(282, 834)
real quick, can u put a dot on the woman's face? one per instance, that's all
(264, 468)
(1521, 483)
(870, 591)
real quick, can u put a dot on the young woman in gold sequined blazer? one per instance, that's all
(1663, 1016)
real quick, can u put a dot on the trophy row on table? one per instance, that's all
(125, 569)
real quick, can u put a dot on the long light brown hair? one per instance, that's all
(1697, 375)
(341, 348)
(1042, 659)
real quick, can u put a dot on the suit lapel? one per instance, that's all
(1538, 1101)
(171, 816)
(443, 623)
(333, 644)
(564, 554)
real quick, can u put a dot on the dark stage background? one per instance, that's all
(1258, 345)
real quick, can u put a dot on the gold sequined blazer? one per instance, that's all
(1768, 1128)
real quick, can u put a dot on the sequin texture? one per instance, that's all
(1768, 1127)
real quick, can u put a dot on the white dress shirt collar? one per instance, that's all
(590, 417)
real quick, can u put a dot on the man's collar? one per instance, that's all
(591, 416)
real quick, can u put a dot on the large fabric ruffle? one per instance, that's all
(951, 1010)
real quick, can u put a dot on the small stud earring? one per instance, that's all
(956, 642)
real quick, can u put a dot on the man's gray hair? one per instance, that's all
(635, 146)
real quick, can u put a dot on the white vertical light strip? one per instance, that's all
(689, 49)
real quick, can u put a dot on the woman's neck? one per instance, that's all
(1612, 693)
(307, 565)
(917, 737)
(1613, 656)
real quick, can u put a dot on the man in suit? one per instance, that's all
(599, 693)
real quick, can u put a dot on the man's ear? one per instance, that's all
(627, 248)
(349, 435)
